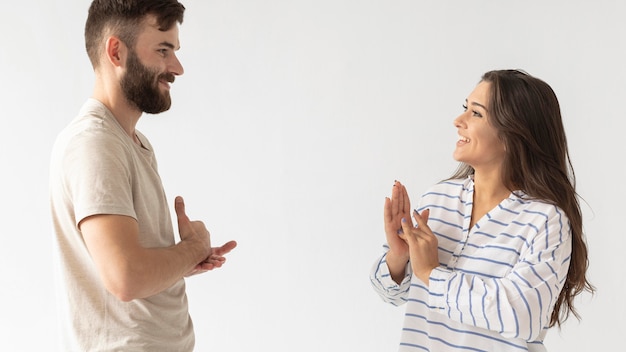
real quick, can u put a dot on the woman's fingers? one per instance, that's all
(408, 232)
(387, 210)
(406, 203)
(396, 202)
(421, 219)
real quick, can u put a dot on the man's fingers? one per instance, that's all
(179, 207)
(226, 248)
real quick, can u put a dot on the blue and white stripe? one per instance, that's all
(497, 283)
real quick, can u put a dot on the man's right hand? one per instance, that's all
(192, 230)
(197, 231)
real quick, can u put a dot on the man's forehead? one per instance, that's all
(150, 31)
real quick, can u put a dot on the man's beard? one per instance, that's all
(140, 86)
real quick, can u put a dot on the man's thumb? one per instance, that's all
(179, 206)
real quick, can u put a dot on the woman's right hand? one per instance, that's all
(396, 208)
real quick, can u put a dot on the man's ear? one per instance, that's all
(115, 51)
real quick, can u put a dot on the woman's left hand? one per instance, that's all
(422, 245)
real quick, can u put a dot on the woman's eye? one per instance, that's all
(474, 112)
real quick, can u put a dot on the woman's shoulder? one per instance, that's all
(452, 189)
(523, 202)
(455, 185)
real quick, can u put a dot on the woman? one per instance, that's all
(497, 254)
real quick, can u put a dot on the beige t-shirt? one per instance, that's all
(96, 168)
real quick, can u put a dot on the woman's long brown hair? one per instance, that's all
(526, 113)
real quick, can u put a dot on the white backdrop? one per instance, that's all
(288, 128)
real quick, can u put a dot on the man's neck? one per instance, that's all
(126, 114)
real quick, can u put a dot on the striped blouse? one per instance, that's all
(496, 284)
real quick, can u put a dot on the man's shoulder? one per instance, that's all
(94, 125)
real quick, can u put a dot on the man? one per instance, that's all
(122, 285)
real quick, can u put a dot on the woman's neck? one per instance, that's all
(489, 191)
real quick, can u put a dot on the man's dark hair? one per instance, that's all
(122, 18)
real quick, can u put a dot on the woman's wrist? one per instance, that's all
(397, 265)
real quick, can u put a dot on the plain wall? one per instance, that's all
(287, 130)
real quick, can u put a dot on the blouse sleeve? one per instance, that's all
(383, 284)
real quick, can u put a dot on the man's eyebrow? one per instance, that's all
(168, 45)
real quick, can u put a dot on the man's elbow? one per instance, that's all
(123, 286)
(124, 296)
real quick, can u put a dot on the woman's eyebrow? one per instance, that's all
(477, 104)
